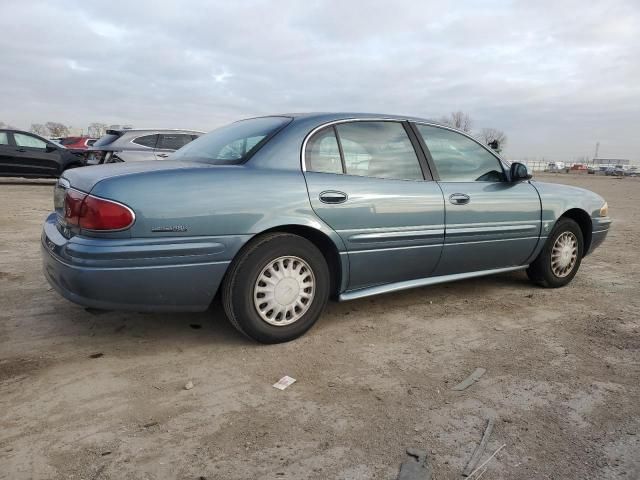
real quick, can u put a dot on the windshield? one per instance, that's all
(232, 144)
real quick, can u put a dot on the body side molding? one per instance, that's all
(421, 282)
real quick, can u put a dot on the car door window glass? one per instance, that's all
(378, 149)
(322, 153)
(147, 140)
(4, 138)
(23, 140)
(460, 159)
(173, 142)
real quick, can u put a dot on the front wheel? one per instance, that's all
(560, 258)
(277, 288)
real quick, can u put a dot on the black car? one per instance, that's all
(24, 154)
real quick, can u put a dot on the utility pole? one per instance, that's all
(597, 149)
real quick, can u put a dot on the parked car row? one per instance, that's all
(132, 145)
(25, 154)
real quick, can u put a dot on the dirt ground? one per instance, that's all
(374, 376)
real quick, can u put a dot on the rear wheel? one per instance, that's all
(277, 288)
(560, 258)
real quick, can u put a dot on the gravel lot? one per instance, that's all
(374, 376)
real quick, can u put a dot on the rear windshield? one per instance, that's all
(232, 144)
(107, 139)
(69, 140)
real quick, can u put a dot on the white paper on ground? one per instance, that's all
(284, 382)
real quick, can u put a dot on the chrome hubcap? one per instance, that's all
(564, 254)
(284, 290)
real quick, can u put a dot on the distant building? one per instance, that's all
(610, 161)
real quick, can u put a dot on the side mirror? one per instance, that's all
(519, 172)
(50, 148)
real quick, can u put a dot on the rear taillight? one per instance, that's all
(94, 213)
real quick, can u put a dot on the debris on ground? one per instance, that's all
(480, 470)
(415, 467)
(477, 454)
(96, 355)
(470, 380)
(150, 424)
(188, 385)
(195, 326)
(284, 382)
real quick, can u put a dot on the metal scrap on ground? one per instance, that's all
(415, 467)
(477, 454)
(470, 380)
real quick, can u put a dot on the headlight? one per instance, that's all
(604, 210)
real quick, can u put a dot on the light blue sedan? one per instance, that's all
(278, 213)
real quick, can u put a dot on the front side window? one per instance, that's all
(369, 149)
(23, 140)
(460, 159)
(147, 141)
(234, 143)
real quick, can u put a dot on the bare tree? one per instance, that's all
(39, 129)
(97, 129)
(459, 120)
(493, 137)
(57, 129)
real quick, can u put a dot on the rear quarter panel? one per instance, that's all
(237, 202)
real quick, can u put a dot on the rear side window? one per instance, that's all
(23, 140)
(173, 141)
(322, 153)
(460, 159)
(234, 143)
(4, 138)
(369, 148)
(147, 141)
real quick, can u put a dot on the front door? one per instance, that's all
(366, 181)
(490, 222)
(32, 158)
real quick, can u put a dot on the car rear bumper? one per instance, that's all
(167, 274)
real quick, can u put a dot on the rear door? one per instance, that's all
(369, 183)
(490, 222)
(31, 157)
(170, 142)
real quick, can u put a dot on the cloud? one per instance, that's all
(555, 76)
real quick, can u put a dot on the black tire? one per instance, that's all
(541, 271)
(239, 282)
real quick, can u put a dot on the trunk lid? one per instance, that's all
(85, 178)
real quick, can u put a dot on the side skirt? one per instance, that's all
(421, 282)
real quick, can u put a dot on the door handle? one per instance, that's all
(333, 197)
(163, 155)
(20, 150)
(459, 198)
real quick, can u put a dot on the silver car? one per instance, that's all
(134, 145)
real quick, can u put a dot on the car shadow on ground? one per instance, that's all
(211, 328)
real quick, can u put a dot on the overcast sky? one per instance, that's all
(556, 76)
